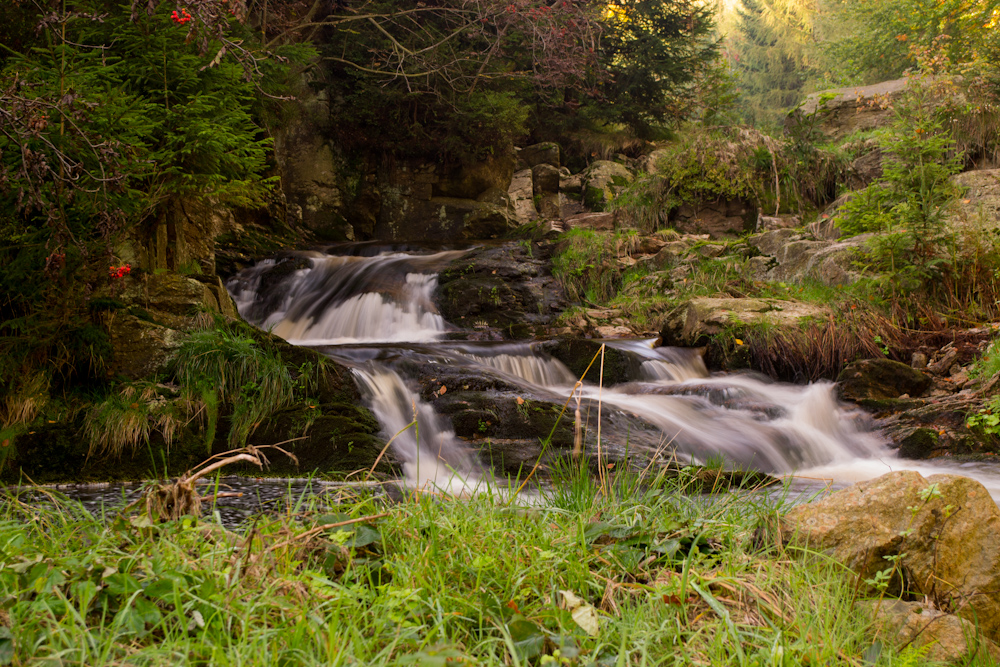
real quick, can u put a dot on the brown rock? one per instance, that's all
(943, 530)
(948, 637)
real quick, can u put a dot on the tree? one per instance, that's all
(768, 61)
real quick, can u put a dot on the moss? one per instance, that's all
(593, 198)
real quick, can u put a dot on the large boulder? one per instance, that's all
(545, 187)
(840, 112)
(546, 152)
(934, 537)
(602, 181)
(522, 197)
(701, 318)
(795, 258)
(873, 380)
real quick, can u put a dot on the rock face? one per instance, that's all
(503, 292)
(788, 256)
(981, 201)
(544, 153)
(943, 529)
(701, 318)
(839, 112)
(602, 181)
(545, 189)
(724, 218)
(521, 193)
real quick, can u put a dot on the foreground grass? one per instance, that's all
(636, 575)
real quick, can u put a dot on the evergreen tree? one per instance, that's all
(769, 59)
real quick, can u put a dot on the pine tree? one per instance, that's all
(768, 51)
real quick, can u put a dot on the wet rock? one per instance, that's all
(544, 153)
(507, 290)
(918, 443)
(872, 380)
(602, 181)
(769, 223)
(948, 638)
(577, 355)
(697, 320)
(942, 528)
(918, 361)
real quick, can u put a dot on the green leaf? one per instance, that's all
(6, 646)
(526, 636)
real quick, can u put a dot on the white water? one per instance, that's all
(339, 300)
(433, 458)
(795, 430)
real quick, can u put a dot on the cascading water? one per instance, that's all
(349, 304)
(321, 299)
(432, 456)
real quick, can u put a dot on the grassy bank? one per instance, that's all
(640, 574)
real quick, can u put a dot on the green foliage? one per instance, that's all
(712, 164)
(770, 65)
(223, 367)
(872, 41)
(108, 117)
(126, 417)
(587, 263)
(91, 590)
(655, 53)
(909, 207)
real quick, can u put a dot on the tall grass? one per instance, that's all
(126, 417)
(635, 573)
(222, 367)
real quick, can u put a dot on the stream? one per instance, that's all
(373, 310)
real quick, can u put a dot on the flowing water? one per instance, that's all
(374, 312)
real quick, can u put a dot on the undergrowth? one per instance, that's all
(637, 574)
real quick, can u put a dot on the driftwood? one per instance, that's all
(171, 500)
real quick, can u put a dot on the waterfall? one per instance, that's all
(382, 305)
(313, 298)
(433, 458)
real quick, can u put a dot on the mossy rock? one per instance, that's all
(577, 354)
(881, 379)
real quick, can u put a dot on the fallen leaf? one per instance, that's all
(738, 341)
(442, 390)
(520, 401)
(583, 612)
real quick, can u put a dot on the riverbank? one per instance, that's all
(639, 572)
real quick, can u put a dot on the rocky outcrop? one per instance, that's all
(522, 197)
(544, 153)
(505, 291)
(839, 112)
(871, 381)
(545, 189)
(789, 256)
(602, 181)
(979, 205)
(723, 218)
(933, 537)
(699, 319)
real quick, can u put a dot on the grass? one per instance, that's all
(644, 575)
